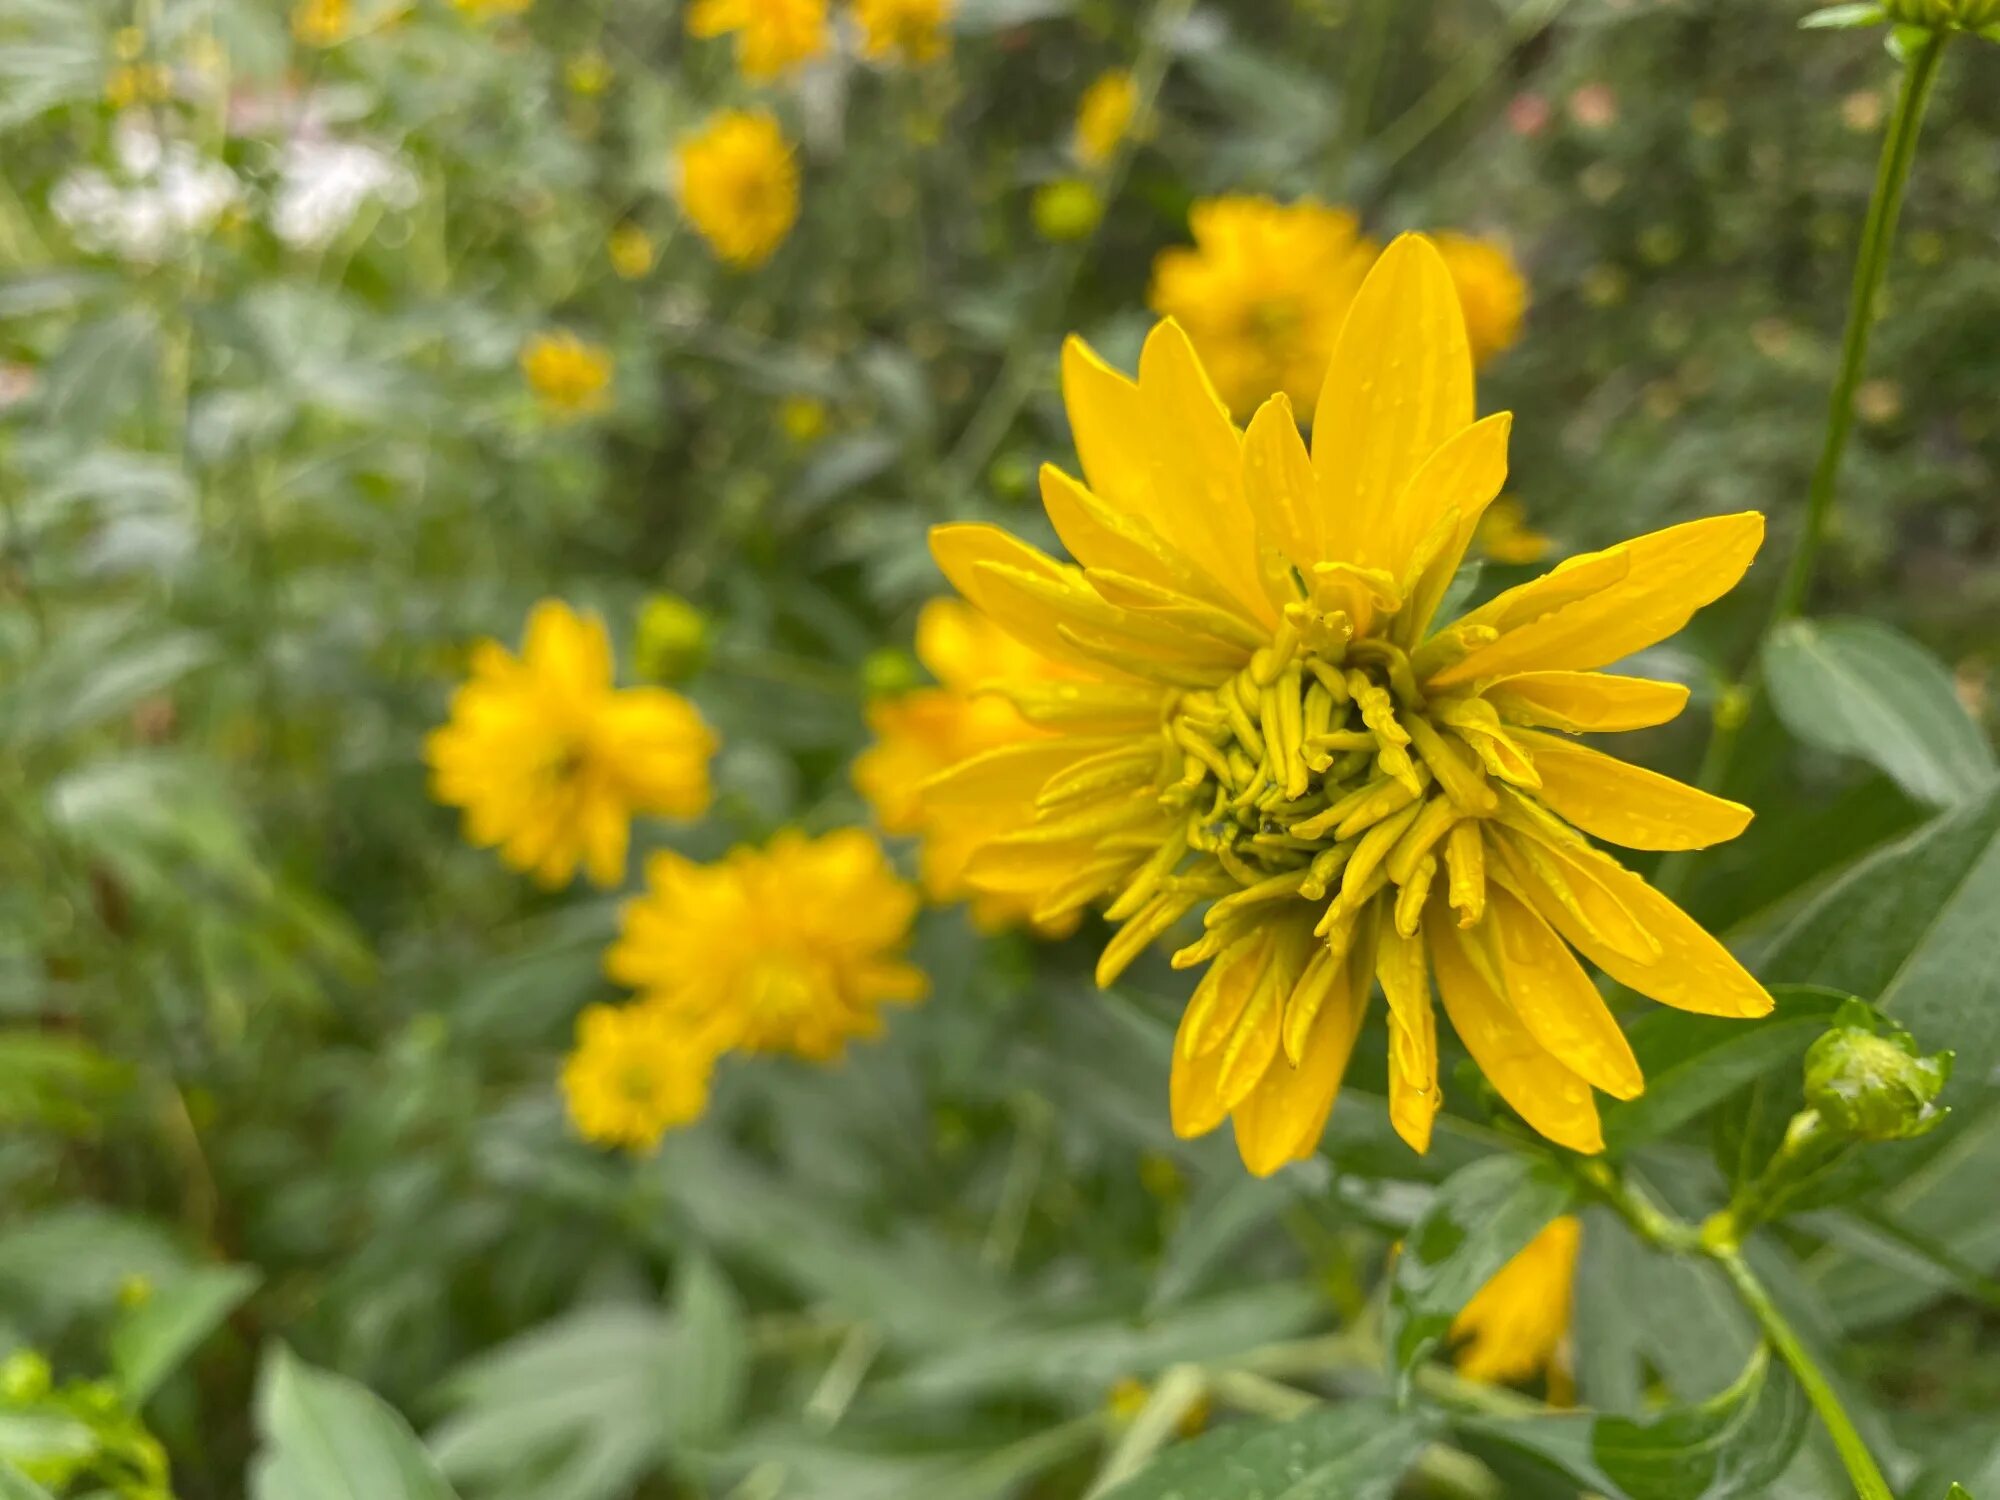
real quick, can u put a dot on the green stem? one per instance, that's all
(1862, 1470)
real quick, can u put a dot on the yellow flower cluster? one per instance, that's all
(1251, 715)
(739, 185)
(571, 377)
(775, 36)
(549, 760)
(1266, 286)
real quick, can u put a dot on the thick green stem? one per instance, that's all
(1862, 1470)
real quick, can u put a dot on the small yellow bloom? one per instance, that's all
(588, 73)
(923, 732)
(1066, 209)
(631, 251)
(794, 947)
(1263, 292)
(138, 83)
(485, 10)
(1490, 288)
(321, 23)
(633, 1076)
(1264, 727)
(772, 36)
(740, 185)
(672, 640)
(1104, 115)
(803, 418)
(909, 31)
(1517, 1325)
(1505, 535)
(550, 761)
(570, 376)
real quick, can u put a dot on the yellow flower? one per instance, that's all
(910, 31)
(631, 251)
(921, 733)
(740, 185)
(570, 376)
(1505, 535)
(550, 761)
(772, 36)
(1103, 116)
(138, 83)
(790, 948)
(321, 23)
(1491, 289)
(1263, 292)
(1265, 726)
(1517, 1325)
(1067, 208)
(633, 1076)
(803, 418)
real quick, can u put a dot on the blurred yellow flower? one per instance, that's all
(1490, 288)
(633, 1076)
(790, 948)
(569, 376)
(1263, 292)
(138, 83)
(631, 251)
(1263, 725)
(1103, 116)
(772, 36)
(740, 185)
(321, 23)
(1505, 535)
(1517, 1325)
(910, 31)
(550, 761)
(922, 732)
(1066, 209)
(803, 418)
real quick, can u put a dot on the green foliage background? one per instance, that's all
(264, 1010)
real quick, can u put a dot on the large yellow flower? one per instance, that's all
(928, 730)
(550, 761)
(633, 1076)
(772, 36)
(910, 31)
(1262, 293)
(740, 185)
(1517, 1325)
(789, 948)
(1271, 731)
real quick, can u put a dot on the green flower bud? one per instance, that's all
(1944, 15)
(24, 1377)
(673, 639)
(888, 672)
(1874, 1088)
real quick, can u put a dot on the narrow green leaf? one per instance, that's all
(327, 1438)
(14, 1485)
(1352, 1452)
(1482, 1216)
(712, 1356)
(1859, 688)
(1843, 17)
(151, 1340)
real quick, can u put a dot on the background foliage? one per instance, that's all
(277, 1068)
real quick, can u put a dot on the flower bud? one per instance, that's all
(888, 672)
(24, 1377)
(1944, 15)
(1874, 1088)
(672, 641)
(1066, 209)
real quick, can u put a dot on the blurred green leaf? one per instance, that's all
(1859, 688)
(1844, 16)
(1482, 1216)
(327, 1438)
(55, 1081)
(14, 1485)
(151, 1340)
(1355, 1451)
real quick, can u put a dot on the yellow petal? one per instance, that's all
(1586, 702)
(1551, 995)
(960, 548)
(1670, 574)
(1462, 477)
(1399, 386)
(1011, 775)
(1107, 420)
(1284, 1116)
(1103, 536)
(1279, 484)
(1627, 804)
(1413, 1088)
(1550, 1097)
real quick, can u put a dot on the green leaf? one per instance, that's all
(54, 1081)
(151, 1340)
(713, 1363)
(1736, 1443)
(14, 1485)
(1859, 688)
(1844, 17)
(1351, 1452)
(327, 1438)
(1692, 1062)
(1482, 1216)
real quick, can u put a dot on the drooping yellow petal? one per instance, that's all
(1670, 575)
(1414, 1095)
(1284, 1116)
(1550, 1097)
(1399, 386)
(1627, 804)
(1548, 990)
(1586, 702)
(1515, 1326)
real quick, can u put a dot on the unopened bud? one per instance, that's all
(888, 672)
(672, 641)
(1875, 1088)
(24, 1377)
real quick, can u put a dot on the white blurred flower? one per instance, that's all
(163, 195)
(323, 184)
